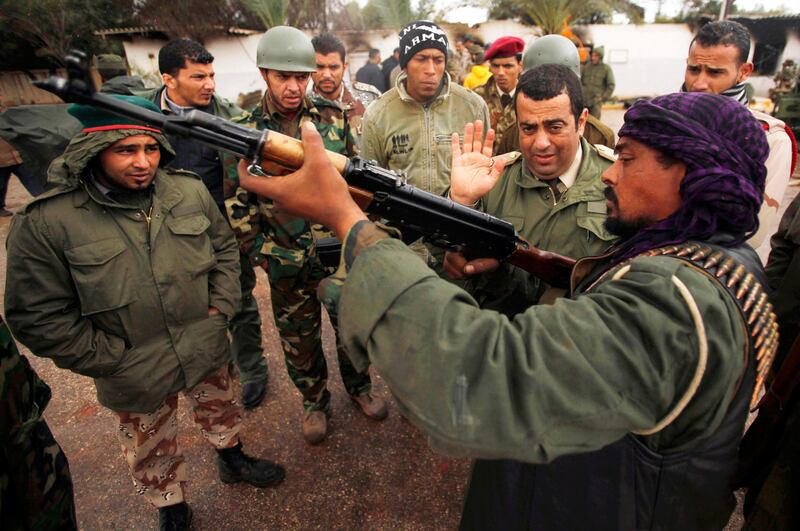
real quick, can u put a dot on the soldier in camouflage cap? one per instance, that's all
(284, 244)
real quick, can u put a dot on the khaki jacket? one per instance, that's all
(403, 135)
(107, 293)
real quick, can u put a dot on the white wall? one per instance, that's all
(647, 59)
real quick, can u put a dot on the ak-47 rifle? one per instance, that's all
(376, 190)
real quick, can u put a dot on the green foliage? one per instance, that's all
(40, 33)
(269, 12)
(395, 13)
(550, 15)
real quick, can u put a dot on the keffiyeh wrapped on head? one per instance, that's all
(723, 147)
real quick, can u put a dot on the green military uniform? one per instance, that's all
(501, 109)
(595, 132)
(245, 326)
(583, 354)
(571, 225)
(35, 483)
(139, 273)
(598, 84)
(284, 245)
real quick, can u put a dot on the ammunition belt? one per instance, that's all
(750, 297)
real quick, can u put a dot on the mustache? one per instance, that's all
(609, 194)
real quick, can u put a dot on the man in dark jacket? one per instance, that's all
(188, 73)
(131, 276)
(371, 73)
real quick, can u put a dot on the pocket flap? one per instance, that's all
(95, 253)
(191, 225)
(595, 225)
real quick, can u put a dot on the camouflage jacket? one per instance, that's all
(502, 116)
(353, 103)
(261, 229)
(35, 483)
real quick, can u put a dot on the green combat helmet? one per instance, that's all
(286, 49)
(552, 50)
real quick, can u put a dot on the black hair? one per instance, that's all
(725, 33)
(545, 82)
(326, 43)
(374, 52)
(176, 53)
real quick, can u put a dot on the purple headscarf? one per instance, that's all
(723, 147)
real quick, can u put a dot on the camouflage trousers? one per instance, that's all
(150, 440)
(298, 317)
(245, 328)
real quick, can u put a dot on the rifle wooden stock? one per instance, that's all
(555, 269)
(377, 191)
(281, 153)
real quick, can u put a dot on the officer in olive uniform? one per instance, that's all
(552, 195)
(598, 82)
(284, 244)
(558, 50)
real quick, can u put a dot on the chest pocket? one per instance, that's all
(102, 275)
(595, 227)
(192, 246)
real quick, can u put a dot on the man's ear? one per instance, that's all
(582, 120)
(745, 71)
(168, 81)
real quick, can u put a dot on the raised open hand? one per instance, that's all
(474, 172)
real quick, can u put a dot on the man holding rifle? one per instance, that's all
(628, 399)
(284, 244)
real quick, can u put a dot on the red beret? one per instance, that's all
(504, 47)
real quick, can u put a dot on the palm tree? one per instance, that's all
(551, 15)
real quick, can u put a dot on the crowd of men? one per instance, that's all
(615, 402)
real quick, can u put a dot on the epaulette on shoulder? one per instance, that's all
(366, 87)
(182, 173)
(605, 152)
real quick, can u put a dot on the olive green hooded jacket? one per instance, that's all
(108, 293)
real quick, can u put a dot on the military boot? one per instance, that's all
(315, 426)
(373, 407)
(235, 466)
(176, 517)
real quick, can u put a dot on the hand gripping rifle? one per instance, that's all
(377, 191)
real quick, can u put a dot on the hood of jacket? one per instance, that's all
(67, 169)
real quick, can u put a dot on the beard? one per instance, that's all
(624, 228)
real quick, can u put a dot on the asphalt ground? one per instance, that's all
(365, 475)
